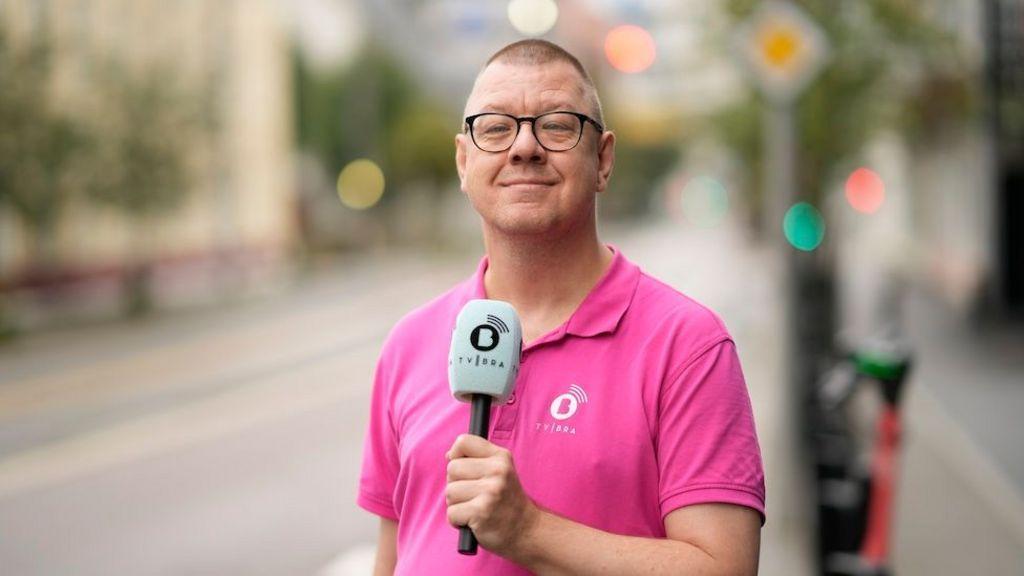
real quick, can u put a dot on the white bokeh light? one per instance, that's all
(532, 17)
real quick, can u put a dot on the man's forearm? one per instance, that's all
(558, 546)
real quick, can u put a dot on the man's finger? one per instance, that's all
(469, 469)
(472, 446)
(461, 491)
(460, 514)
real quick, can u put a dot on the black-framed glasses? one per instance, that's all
(555, 131)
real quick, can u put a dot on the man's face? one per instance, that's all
(527, 190)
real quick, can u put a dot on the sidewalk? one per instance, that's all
(960, 500)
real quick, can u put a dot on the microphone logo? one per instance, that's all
(485, 337)
(566, 405)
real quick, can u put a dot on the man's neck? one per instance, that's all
(545, 280)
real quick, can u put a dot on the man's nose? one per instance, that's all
(526, 148)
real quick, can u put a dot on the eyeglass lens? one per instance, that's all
(556, 131)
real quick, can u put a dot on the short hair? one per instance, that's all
(534, 51)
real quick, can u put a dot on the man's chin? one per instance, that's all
(526, 225)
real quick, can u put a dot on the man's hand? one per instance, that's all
(483, 492)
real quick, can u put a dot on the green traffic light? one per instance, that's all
(804, 227)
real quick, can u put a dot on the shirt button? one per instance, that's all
(512, 398)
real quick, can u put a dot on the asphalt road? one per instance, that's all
(223, 441)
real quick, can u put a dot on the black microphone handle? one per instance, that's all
(479, 423)
(480, 415)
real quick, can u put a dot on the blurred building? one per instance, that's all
(1005, 35)
(231, 60)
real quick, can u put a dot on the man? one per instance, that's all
(628, 446)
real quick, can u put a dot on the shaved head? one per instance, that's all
(536, 52)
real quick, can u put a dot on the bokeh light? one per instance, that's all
(780, 44)
(630, 48)
(865, 191)
(804, 227)
(532, 17)
(704, 202)
(360, 184)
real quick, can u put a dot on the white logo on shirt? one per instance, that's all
(565, 405)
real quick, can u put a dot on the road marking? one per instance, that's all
(275, 395)
(149, 368)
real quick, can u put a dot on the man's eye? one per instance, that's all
(495, 129)
(556, 127)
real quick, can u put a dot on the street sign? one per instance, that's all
(782, 48)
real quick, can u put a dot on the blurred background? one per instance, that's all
(211, 213)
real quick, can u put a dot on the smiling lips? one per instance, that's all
(526, 183)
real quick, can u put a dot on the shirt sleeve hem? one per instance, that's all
(715, 493)
(376, 505)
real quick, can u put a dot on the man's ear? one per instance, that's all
(605, 159)
(460, 159)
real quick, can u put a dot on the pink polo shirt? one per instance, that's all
(635, 407)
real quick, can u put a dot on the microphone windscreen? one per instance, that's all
(484, 356)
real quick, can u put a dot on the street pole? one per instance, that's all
(779, 167)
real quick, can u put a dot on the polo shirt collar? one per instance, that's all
(604, 306)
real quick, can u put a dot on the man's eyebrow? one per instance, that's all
(490, 107)
(561, 106)
(558, 106)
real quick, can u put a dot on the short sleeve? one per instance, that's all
(380, 450)
(707, 445)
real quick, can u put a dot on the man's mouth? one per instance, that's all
(526, 183)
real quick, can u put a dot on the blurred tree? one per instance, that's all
(40, 148)
(638, 169)
(318, 114)
(420, 146)
(144, 139)
(375, 110)
(147, 132)
(125, 142)
(890, 66)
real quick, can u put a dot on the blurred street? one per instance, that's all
(212, 213)
(218, 443)
(229, 442)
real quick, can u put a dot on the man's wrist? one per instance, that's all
(527, 549)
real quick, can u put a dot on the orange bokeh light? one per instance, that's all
(780, 45)
(629, 48)
(865, 191)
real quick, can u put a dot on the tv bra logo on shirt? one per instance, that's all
(565, 406)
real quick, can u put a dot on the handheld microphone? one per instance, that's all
(482, 365)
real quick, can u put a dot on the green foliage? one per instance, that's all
(889, 66)
(318, 114)
(128, 149)
(40, 148)
(638, 169)
(145, 134)
(421, 146)
(739, 128)
(374, 110)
